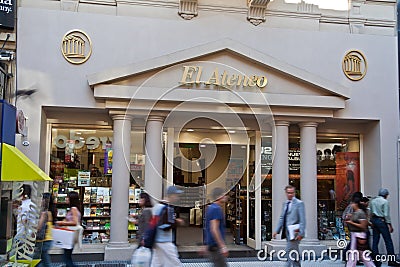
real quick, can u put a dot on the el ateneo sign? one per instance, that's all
(193, 75)
(7, 13)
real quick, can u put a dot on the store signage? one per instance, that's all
(7, 12)
(193, 75)
(92, 142)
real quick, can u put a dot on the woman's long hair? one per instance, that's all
(74, 200)
(147, 201)
(48, 205)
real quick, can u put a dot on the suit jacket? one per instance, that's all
(295, 215)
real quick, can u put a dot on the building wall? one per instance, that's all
(312, 39)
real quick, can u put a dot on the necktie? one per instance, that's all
(284, 220)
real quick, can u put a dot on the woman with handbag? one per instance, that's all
(142, 255)
(44, 238)
(73, 218)
(358, 225)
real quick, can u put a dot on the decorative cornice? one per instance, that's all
(256, 11)
(188, 9)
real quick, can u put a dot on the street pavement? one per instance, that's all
(233, 262)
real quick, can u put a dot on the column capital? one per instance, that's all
(308, 124)
(282, 123)
(155, 118)
(126, 117)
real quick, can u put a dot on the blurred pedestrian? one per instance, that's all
(145, 215)
(382, 224)
(165, 253)
(73, 218)
(358, 225)
(293, 214)
(215, 229)
(44, 238)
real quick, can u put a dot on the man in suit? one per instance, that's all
(293, 212)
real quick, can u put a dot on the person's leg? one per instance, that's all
(68, 258)
(216, 258)
(46, 260)
(376, 235)
(388, 239)
(155, 259)
(352, 254)
(292, 253)
(170, 254)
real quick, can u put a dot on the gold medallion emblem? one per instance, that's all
(76, 47)
(354, 65)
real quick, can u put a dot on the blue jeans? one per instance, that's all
(380, 227)
(68, 258)
(44, 253)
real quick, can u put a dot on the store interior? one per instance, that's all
(81, 160)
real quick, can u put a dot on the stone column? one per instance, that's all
(308, 179)
(119, 248)
(153, 181)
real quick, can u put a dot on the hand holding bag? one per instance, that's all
(141, 257)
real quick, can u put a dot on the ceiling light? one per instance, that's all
(190, 130)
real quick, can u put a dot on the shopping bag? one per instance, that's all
(63, 237)
(141, 257)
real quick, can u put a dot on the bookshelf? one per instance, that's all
(134, 210)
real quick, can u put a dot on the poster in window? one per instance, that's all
(347, 177)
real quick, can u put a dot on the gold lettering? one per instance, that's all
(187, 74)
(223, 78)
(248, 81)
(214, 77)
(262, 81)
(231, 81)
(199, 72)
(239, 80)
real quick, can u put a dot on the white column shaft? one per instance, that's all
(153, 181)
(120, 181)
(280, 168)
(308, 176)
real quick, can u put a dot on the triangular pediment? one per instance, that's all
(283, 78)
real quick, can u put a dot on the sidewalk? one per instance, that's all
(232, 262)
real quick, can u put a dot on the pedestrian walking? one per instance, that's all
(215, 229)
(44, 239)
(358, 225)
(145, 215)
(73, 218)
(292, 217)
(382, 225)
(165, 253)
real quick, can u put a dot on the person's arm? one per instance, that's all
(214, 229)
(73, 222)
(302, 215)
(41, 220)
(386, 212)
(362, 224)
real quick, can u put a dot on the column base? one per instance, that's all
(119, 252)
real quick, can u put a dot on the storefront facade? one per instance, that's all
(298, 99)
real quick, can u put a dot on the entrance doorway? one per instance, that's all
(199, 167)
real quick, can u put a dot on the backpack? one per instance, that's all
(150, 232)
(41, 234)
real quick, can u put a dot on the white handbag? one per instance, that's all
(141, 257)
